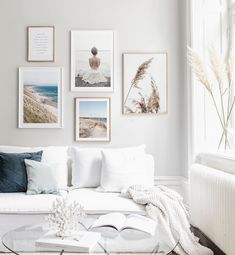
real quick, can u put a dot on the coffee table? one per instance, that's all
(23, 239)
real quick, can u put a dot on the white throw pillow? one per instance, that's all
(42, 178)
(120, 171)
(59, 156)
(87, 164)
(86, 167)
(51, 155)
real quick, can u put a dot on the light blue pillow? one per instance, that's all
(42, 178)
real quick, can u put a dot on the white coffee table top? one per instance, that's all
(129, 241)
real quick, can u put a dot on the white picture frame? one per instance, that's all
(92, 119)
(40, 97)
(41, 44)
(92, 60)
(145, 83)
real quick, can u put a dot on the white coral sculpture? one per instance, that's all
(65, 217)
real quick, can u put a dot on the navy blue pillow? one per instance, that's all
(13, 175)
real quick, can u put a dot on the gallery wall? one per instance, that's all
(140, 26)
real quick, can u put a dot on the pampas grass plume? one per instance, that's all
(229, 68)
(217, 64)
(198, 67)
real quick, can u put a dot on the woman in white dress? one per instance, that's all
(93, 75)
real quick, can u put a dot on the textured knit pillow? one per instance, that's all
(120, 173)
(13, 177)
(123, 168)
(42, 178)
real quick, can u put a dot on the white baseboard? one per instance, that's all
(177, 183)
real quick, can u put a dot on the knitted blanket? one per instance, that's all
(166, 207)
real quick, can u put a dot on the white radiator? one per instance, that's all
(212, 205)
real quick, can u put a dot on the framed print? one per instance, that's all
(92, 61)
(41, 44)
(92, 118)
(145, 83)
(40, 97)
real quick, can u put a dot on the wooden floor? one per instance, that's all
(53, 253)
(204, 240)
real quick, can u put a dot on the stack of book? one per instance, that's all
(81, 241)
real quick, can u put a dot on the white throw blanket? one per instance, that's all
(166, 207)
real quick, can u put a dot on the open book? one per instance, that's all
(120, 222)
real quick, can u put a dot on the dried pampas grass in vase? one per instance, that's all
(222, 71)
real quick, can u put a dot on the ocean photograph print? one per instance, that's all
(40, 97)
(92, 118)
(144, 83)
(92, 61)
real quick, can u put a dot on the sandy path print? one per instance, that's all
(91, 128)
(99, 132)
(92, 118)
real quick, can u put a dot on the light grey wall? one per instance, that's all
(185, 88)
(140, 25)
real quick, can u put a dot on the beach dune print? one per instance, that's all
(93, 120)
(40, 97)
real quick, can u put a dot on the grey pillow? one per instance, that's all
(42, 178)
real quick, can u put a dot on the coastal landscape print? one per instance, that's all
(91, 60)
(92, 119)
(40, 97)
(145, 83)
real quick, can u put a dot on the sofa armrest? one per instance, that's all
(212, 205)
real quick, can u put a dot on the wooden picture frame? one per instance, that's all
(145, 83)
(92, 119)
(40, 43)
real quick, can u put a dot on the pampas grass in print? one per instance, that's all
(145, 85)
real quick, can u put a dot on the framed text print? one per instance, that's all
(41, 44)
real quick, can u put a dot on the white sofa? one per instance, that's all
(212, 199)
(18, 209)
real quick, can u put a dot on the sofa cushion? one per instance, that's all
(122, 170)
(86, 167)
(51, 154)
(218, 161)
(42, 178)
(93, 202)
(13, 176)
